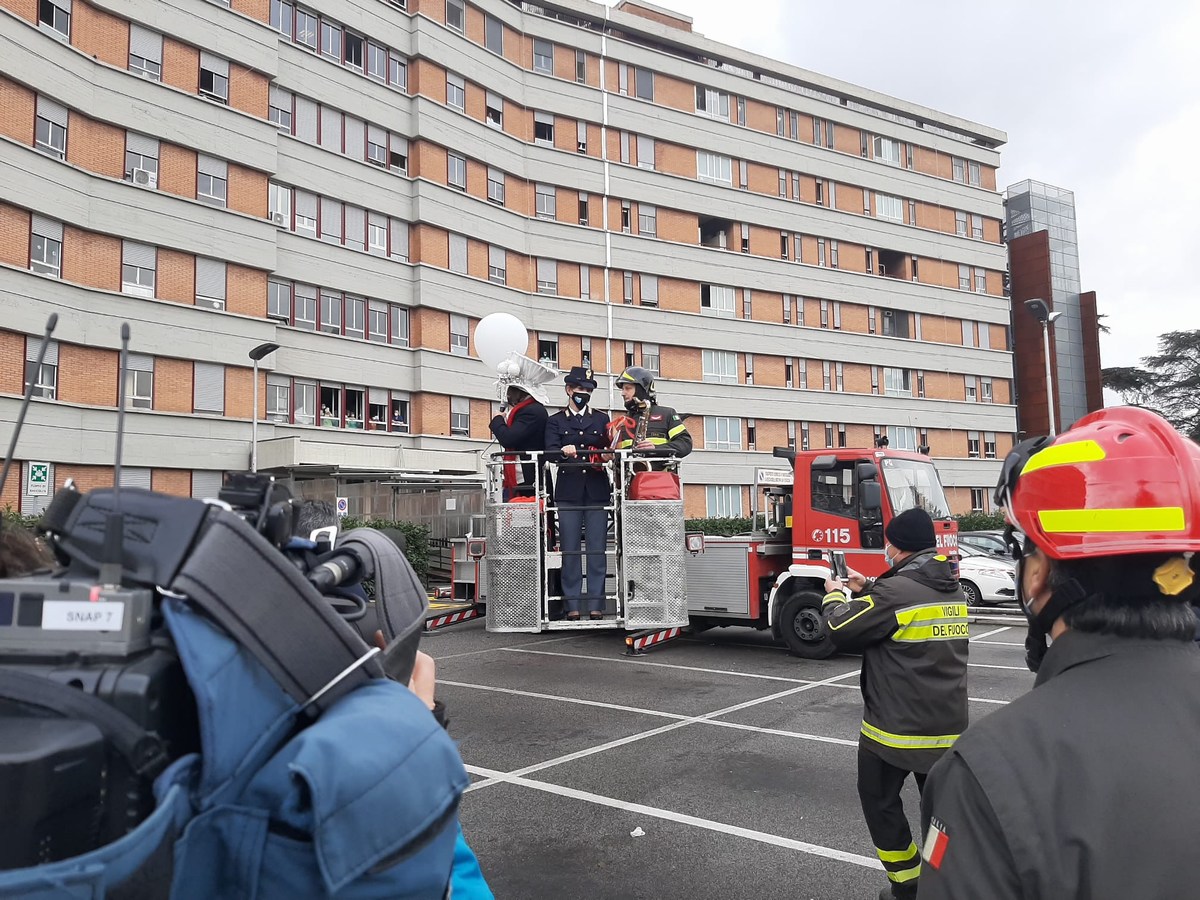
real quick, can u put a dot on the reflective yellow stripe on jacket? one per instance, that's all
(908, 741)
(931, 622)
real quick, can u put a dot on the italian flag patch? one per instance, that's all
(936, 842)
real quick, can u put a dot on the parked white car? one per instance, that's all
(986, 580)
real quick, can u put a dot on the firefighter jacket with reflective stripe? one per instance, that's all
(665, 430)
(1084, 787)
(911, 626)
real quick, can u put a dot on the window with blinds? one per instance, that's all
(210, 283)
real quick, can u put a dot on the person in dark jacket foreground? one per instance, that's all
(1086, 786)
(911, 625)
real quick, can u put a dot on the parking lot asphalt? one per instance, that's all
(714, 767)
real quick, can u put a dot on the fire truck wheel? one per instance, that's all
(803, 628)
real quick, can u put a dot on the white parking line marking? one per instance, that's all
(637, 662)
(620, 742)
(509, 647)
(630, 662)
(979, 638)
(1002, 643)
(537, 696)
(762, 837)
(658, 712)
(1006, 668)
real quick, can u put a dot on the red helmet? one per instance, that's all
(1120, 481)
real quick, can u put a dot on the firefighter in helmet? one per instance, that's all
(1086, 786)
(662, 431)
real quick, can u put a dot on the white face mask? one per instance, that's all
(891, 561)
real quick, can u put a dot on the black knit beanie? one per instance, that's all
(911, 531)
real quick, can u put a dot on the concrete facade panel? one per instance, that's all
(43, 185)
(94, 318)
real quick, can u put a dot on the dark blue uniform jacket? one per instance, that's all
(579, 485)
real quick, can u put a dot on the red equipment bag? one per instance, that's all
(655, 486)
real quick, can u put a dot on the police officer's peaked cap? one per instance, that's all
(581, 376)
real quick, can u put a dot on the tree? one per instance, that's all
(1167, 382)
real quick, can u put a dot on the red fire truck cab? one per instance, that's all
(829, 510)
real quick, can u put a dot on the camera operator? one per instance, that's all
(312, 516)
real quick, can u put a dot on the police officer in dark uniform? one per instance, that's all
(911, 625)
(666, 435)
(1086, 786)
(581, 494)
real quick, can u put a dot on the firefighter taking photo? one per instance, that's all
(910, 624)
(1086, 786)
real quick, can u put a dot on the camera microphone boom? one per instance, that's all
(51, 323)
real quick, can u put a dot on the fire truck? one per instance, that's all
(823, 514)
(826, 514)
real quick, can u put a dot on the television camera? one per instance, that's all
(94, 702)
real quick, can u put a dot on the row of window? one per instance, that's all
(315, 308)
(339, 44)
(300, 401)
(711, 167)
(139, 265)
(721, 367)
(50, 134)
(638, 82)
(335, 222)
(309, 402)
(331, 129)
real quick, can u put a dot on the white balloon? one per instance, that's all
(497, 335)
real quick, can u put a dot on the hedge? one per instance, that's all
(978, 521)
(721, 527)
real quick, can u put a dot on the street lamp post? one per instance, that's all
(1043, 314)
(257, 354)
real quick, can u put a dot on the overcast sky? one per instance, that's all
(1098, 97)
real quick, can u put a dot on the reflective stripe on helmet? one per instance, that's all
(1063, 455)
(1101, 521)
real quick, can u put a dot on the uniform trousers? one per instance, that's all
(879, 786)
(579, 526)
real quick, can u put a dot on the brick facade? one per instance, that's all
(177, 482)
(100, 34)
(14, 236)
(17, 105)
(96, 146)
(87, 375)
(173, 385)
(12, 362)
(91, 259)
